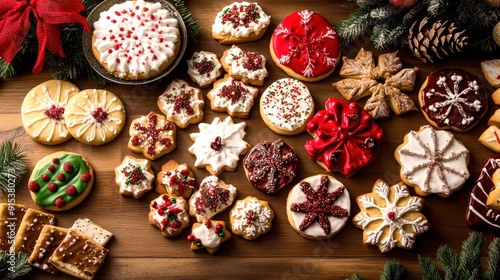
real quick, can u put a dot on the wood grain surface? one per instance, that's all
(139, 251)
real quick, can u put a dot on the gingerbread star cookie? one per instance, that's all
(213, 197)
(249, 67)
(169, 213)
(134, 176)
(390, 217)
(175, 178)
(251, 217)
(209, 235)
(232, 96)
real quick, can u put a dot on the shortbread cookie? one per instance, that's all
(286, 106)
(390, 217)
(318, 207)
(49, 239)
(213, 197)
(31, 225)
(79, 256)
(218, 145)
(346, 137)
(491, 72)
(169, 213)
(248, 67)
(92, 230)
(240, 22)
(152, 135)
(433, 162)
(209, 235)
(181, 103)
(251, 217)
(493, 200)
(11, 216)
(491, 136)
(95, 116)
(61, 180)
(136, 40)
(204, 68)
(271, 165)
(453, 99)
(42, 111)
(305, 46)
(496, 96)
(176, 179)
(232, 96)
(134, 176)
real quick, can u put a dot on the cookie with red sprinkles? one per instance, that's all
(134, 176)
(232, 96)
(204, 68)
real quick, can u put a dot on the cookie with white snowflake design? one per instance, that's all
(305, 46)
(42, 111)
(232, 96)
(251, 217)
(175, 178)
(390, 217)
(249, 67)
(453, 99)
(218, 146)
(318, 207)
(209, 234)
(170, 214)
(433, 161)
(213, 197)
(134, 176)
(204, 68)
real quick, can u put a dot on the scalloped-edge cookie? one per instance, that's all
(251, 217)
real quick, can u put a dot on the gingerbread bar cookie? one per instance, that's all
(213, 197)
(232, 96)
(134, 176)
(249, 67)
(251, 217)
(204, 68)
(11, 216)
(92, 230)
(209, 235)
(169, 213)
(30, 228)
(176, 179)
(49, 239)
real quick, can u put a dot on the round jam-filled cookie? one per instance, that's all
(169, 213)
(433, 161)
(271, 165)
(136, 40)
(204, 68)
(346, 137)
(318, 207)
(213, 197)
(286, 106)
(305, 46)
(95, 116)
(175, 178)
(232, 96)
(390, 217)
(251, 217)
(248, 67)
(134, 176)
(181, 103)
(61, 180)
(240, 22)
(209, 234)
(42, 111)
(152, 135)
(453, 99)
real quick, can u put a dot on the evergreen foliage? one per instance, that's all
(14, 269)
(12, 165)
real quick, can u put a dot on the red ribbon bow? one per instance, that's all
(15, 22)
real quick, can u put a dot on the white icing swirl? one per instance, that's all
(237, 59)
(240, 29)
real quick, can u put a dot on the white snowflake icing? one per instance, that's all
(391, 217)
(258, 224)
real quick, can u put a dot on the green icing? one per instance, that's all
(44, 197)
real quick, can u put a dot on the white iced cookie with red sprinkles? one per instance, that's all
(240, 22)
(232, 96)
(169, 213)
(204, 68)
(175, 178)
(248, 67)
(213, 197)
(136, 40)
(305, 46)
(286, 106)
(134, 176)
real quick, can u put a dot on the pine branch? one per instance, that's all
(393, 270)
(356, 277)
(386, 35)
(470, 257)
(12, 166)
(13, 269)
(449, 261)
(493, 271)
(428, 268)
(437, 7)
(356, 25)
(191, 24)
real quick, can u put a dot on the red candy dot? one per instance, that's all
(33, 186)
(52, 187)
(59, 203)
(190, 238)
(55, 160)
(61, 177)
(45, 177)
(52, 168)
(71, 190)
(68, 167)
(86, 177)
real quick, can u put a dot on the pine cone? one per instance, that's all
(431, 40)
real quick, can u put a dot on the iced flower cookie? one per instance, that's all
(169, 213)
(240, 22)
(181, 103)
(42, 111)
(134, 176)
(433, 161)
(94, 116)
(248, 67)
(204, 68)
(209, 234)
(175, 178)
(232, 96)
(251, 217)
(218, 145)
(213, 197)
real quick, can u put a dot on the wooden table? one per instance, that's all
(139, 251)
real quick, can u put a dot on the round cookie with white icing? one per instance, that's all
(318, 207)
(181, 103)
(209, 235)
(42, 111)
(240, 22)
(248, 67)
(433, 161)
(175, 178)
(169, 213)
(136, 40)
(134, 176)
(232, 96)
(204, 68)
(286, 106)
(95, 116)
(251, 217)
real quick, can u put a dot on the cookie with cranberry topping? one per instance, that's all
(204, 68)
(209, 234)
(61, 180)
(95, 116)
(42, 111)
(248, 67)
(251, 217)
(213, 197)
(175, 178)
(170, 214)
(134, 176)
(232, 96)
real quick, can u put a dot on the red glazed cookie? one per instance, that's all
(346, 137)
(305, 46)
(453, 99)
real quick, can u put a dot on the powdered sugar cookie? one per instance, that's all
(240, 22)
(175, 178)
(169, 213)
(249, 67)
(204, 68)
(232, 96)
(251, 217)
(286, 106)
(181, 103)
(209, 235)
(134, 176)
(42, 111)
(213, 197)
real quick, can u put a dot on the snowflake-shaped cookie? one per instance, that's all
(218, 145)
(251, 217)
(362, 79)
(433, 161)
(390, 217)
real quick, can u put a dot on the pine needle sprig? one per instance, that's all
(437, 7)
(356, 26)
(192, 26)
(470, 257)
(393, 270)
(13, 165)
(16, 269)
(493, 271)
(428, 268)
(449, 261)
